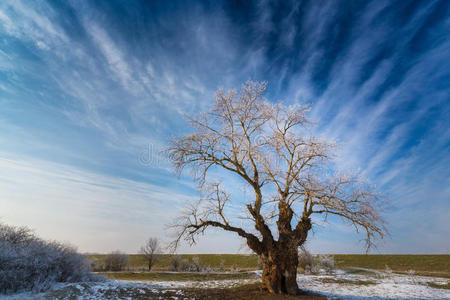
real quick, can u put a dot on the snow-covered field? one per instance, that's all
(123, 289)
(110, 289)
(371, 285)
(374, 286)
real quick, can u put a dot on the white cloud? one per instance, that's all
(116, 60)
(95, 212)
(33, 24)
(137, 97)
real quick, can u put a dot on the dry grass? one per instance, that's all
(137, 261)
(177, 276)
(346, 281)
(426, 265)
(439, 286)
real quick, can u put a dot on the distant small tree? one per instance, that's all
(151, 251)
(175, 263)
(116, 261)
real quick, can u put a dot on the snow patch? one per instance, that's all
(374, 285)
(387, 286)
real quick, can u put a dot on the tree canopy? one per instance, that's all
(267, 146)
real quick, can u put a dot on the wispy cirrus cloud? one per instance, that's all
(56, 199)
(92, 85)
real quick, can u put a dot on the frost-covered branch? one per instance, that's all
(266, 146)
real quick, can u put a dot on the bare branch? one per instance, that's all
(265, 145)
(354, 201)
(197, 218)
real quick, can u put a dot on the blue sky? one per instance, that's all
(90, 92)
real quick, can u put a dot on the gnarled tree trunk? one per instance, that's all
(280, 271)
(280, 259)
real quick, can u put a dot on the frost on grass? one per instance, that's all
(28, 263)
(121, 289)
(341, 285)
(374, 285)
(111, 290)
(94, 290)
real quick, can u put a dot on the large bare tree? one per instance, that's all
(265, 145)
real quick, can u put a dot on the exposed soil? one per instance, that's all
(244, 292)
(250, 292)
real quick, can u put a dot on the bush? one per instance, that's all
(326, 263)
(178, 264)
(28, 263)
(314, 265)
(116, 261)
(175, 263)
(196, 264)
(185, 265)
(305, 260)
(388, 270)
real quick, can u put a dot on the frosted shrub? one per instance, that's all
(179, 264)
(208, 269)
(411, 274)
(326, 263)
(306, 260)
(29, 263)
(116, 261)
(388, 270)
(312, 269)
(185, 266)
(175, 263)
(386, 274)
(16, 235)
(196, 264)
(314, 265)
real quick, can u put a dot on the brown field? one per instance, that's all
(428, 265)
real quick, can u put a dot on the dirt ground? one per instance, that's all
(252, 291)
(84, 291)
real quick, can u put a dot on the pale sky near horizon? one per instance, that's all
(90, 92)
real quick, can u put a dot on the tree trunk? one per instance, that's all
(280, 271)
(150, 264)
